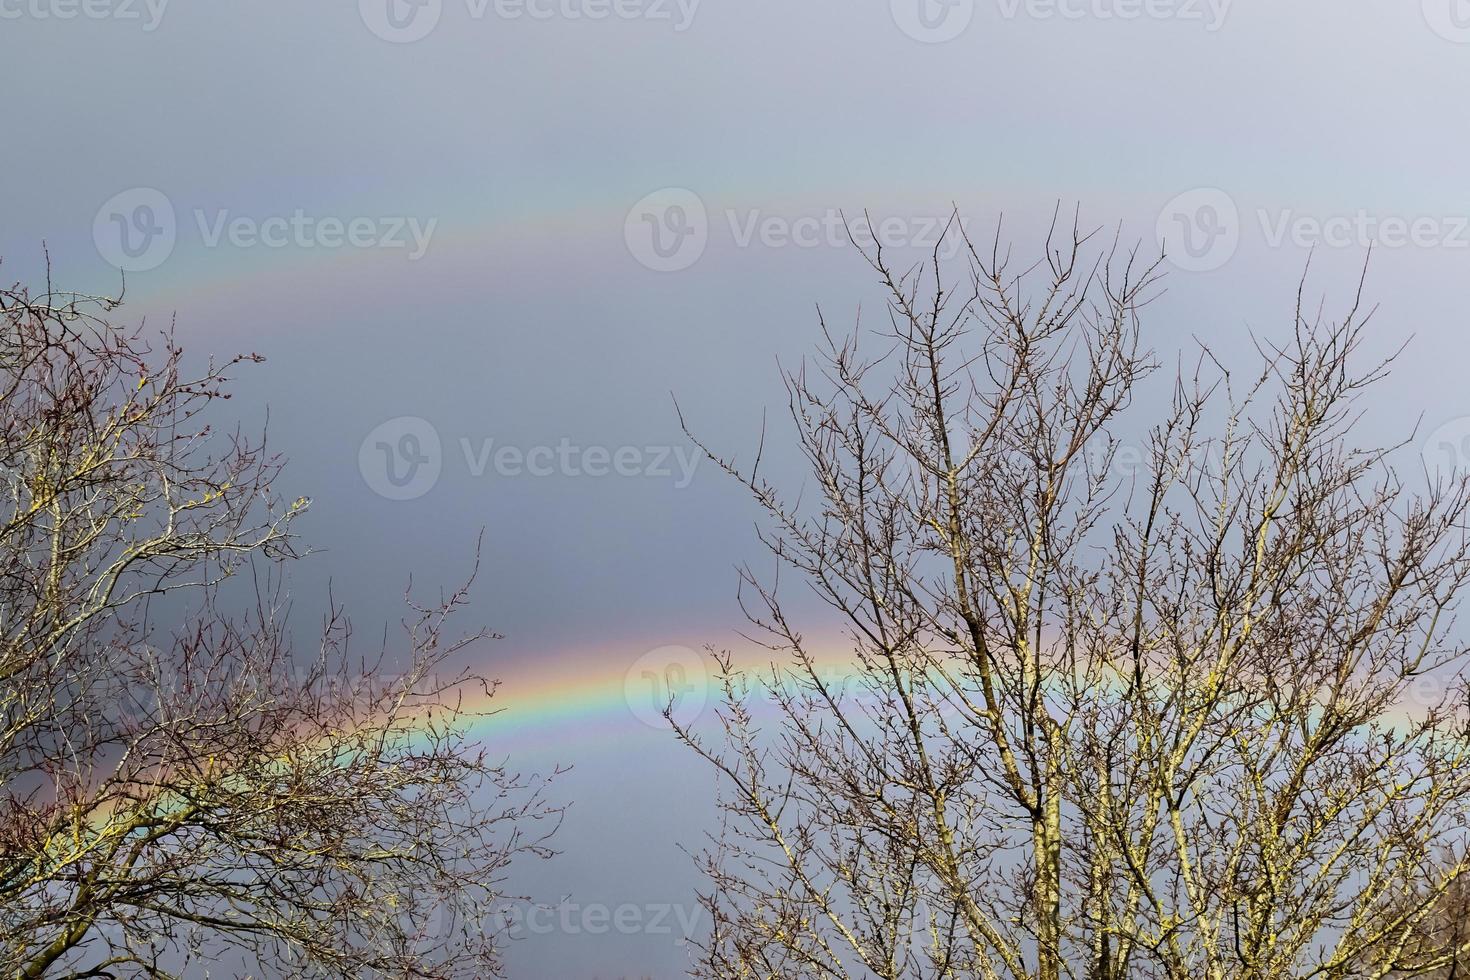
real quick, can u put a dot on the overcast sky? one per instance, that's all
(485, 243)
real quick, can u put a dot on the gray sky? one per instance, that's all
(517, 228)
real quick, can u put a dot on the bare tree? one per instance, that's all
(1445, 927)
(1199, 718)
(202, 796)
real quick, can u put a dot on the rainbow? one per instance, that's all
(564, 700)
(527, 233)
